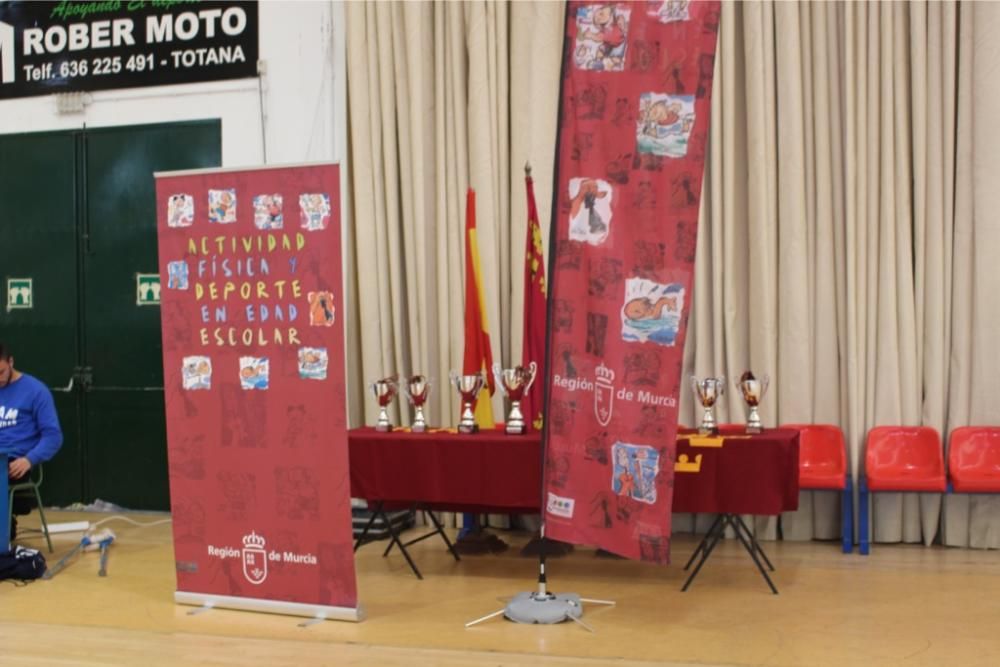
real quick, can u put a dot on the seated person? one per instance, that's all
(29, 427)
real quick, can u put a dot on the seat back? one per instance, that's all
(822, 456)
(904, 458)
(974, 458)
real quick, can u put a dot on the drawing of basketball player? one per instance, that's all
(625, 479)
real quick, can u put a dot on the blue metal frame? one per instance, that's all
(863, 546)
(4, 510)
(847, 516)
(846, 513)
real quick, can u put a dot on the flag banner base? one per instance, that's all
(549, 608)
(317, 611)
(543, 608)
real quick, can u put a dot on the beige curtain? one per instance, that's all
(974, 370)
(844, 235)
(442, 96)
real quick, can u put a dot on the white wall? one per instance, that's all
(303, 118)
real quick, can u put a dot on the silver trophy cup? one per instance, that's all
(753, 390)
(468, 387)
(708, 391)
(384, 391)
(515, 382)
(417, 390)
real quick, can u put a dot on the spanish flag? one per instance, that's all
(478, 357)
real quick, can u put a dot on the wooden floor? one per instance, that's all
(902, 605)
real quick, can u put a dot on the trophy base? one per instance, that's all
(513, 428)
(418, 428)
(383, 428)
(753, 430)
(468, 428)
(708, 430)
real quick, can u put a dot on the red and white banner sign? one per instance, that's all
(253, 367)
(637, 81)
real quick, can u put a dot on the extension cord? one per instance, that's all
(69, 527)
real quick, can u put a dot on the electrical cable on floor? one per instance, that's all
(119, 517)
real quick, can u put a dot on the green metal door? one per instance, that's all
(118, 450)
(38, 241)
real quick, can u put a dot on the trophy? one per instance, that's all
(753, 391)
(417, 389)
(384, 390)
(515, 382)
(708, 392)
(468, 386)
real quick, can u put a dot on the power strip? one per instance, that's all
(69, 527)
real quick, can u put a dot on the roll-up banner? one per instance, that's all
(253, 366)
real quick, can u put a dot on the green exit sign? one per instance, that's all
(19, 293)
(147, 289)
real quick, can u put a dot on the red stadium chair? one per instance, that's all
(823, 466)
(974, 459)
(899, 458)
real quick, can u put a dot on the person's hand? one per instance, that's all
(18, 468)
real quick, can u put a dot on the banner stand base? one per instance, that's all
(543, 608)
(315, 612)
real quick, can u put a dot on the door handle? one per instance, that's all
(68, 388)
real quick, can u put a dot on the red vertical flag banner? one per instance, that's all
(253, 367)
(534, 311)
(635, 106)
(478, 355)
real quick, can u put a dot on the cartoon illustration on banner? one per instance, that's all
(590, 210)
(665, 123)
(180, 211)
(222, 206)
(602, 37)
(267, 212)
(634, 472)
(652, 311)
(668, 11)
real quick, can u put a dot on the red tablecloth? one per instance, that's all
(492, 471)
(747, 475)
(488, 471)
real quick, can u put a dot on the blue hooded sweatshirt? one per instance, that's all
(29, 425)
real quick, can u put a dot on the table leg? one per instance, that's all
(440, 530)
(368, 526)
(751, 550)
(719, 528)
(701, 545)
(754, 542)
(394, 539)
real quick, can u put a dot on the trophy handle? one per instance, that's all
(534, 372)
(453, 376)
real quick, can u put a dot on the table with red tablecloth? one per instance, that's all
(491, 471)
(481, 472)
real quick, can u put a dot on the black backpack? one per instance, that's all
(21, 564)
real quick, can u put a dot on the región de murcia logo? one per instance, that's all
(255, 557)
